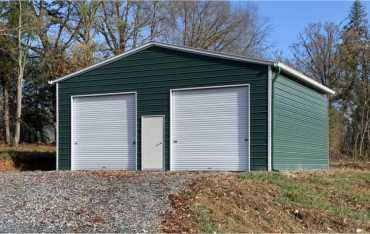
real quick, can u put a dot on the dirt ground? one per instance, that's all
(362, 165)
(27, 157)
(337, 200)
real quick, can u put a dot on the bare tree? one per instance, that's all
(114, 24)
(154, 20)
(54, 34)
(217, 26)
(84, 29)
(316, 52)
(21, 60)
(128, 24)
(201, 24)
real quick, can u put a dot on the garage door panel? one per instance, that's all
(104, 129)
(210, 129)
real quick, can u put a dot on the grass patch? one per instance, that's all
(203, 218)
(321, 201)
(340, 194)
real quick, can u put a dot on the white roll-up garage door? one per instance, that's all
(209, 129)
(104, 132)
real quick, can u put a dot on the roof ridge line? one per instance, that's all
(282, 66)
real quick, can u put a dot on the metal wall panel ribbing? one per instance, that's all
(300, 126)
(152, 73)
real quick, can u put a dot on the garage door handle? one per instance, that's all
(134, 142)
(246, 139)
(75, 142)
(175, 141)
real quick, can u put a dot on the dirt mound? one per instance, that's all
(27, 158)
(235, 204)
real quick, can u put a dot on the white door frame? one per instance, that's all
(247, 85)
(96, 95)
(57, 127)
(163, 142)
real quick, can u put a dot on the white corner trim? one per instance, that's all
(57, 127)
(304, 78)
(171, 132)
(269, 119)
(136, 156)
(71, 139)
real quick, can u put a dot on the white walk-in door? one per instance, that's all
(152, 133)
(210, 129)
(104, 132)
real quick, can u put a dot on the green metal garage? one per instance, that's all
(164, 107)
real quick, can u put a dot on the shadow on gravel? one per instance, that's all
(31, 161)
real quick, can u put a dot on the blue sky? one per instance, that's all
(288, 18)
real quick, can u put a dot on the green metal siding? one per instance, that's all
(299, 126)
(152, 73)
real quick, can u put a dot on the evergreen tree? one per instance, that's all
(355, 80)
(358, 19)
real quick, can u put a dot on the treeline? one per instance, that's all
(42, 40)
(338, 55)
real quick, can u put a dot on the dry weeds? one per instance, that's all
(28, 148)
(321, 201)
(27, 157)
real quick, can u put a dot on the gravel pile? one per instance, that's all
(86, 201)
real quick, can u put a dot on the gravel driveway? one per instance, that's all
(86, 201)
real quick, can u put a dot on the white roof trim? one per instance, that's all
(302, 77)
(166, 46)
(110, 60)
(282, 66)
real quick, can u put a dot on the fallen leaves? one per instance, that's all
(7, 165)
(252, 205)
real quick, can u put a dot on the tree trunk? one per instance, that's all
(135, 34)
(21, 62)
(153, 23)
(6, 112)
(18, 118)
